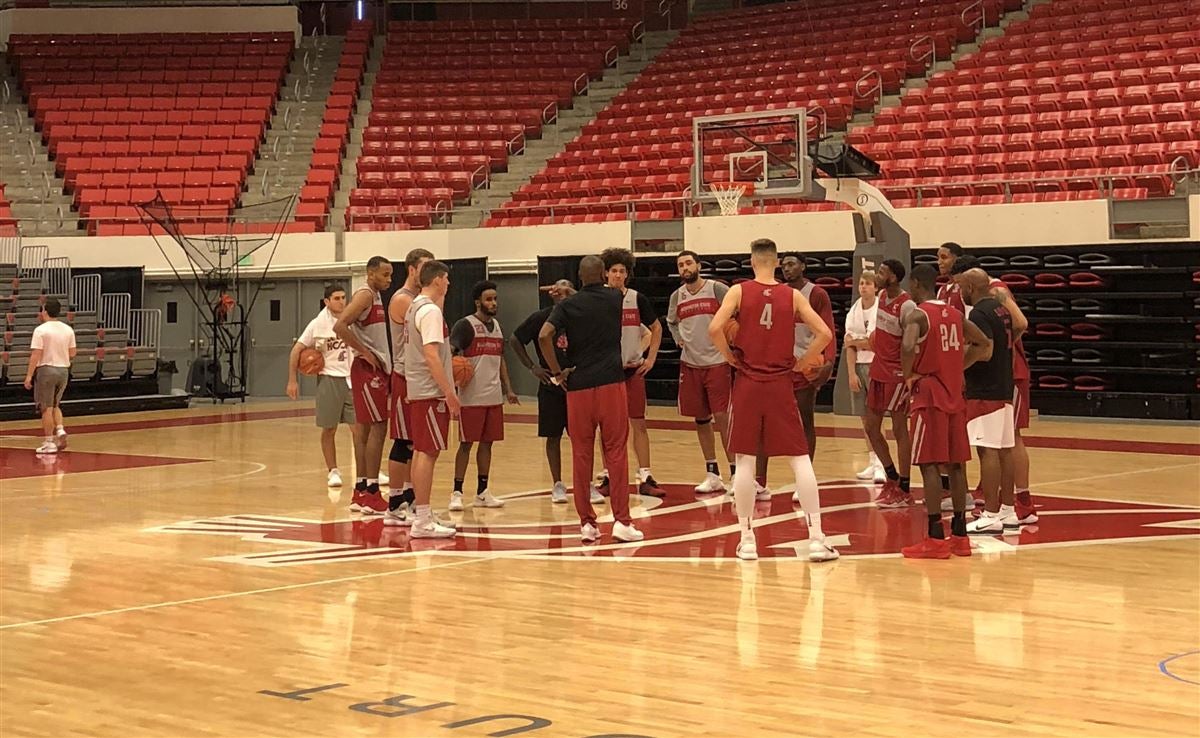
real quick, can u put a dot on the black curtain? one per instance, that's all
(464, 273)
(553, 268)
(118, 279)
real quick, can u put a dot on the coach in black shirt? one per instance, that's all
(595, 382)
(989, 393)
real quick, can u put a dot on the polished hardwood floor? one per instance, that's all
(187, 573)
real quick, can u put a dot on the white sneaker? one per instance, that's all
(987, 524)
(761, 493)
(558, 495)
(626, 533)
(335, 478)
(589, 532)
(711, 484)
(819, 550)
(1008, 518)
(596, 497)
(747, 548)
(60, 439)
(398, 517)
(487, 500)
(880, 474)
(431, 529)
(47, 447)
(456, 503)
(384, 479)
(868, 472)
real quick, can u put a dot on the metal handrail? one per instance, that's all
(638, 32)
(550, 113)
(820, 126)
(931, 54)
(981, 19)
(581, 84)
(611, 55)
(877, 87)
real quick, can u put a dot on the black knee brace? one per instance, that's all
(703, 421)
(402, 451)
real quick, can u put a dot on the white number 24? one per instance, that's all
(950, 337)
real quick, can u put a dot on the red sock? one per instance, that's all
(1024, 498)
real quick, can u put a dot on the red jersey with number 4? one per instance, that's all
(1020, 362)
(939, 360)
(766, 330)
(886, 342)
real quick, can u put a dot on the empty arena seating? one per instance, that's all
(1085, 99)
(127, 116)
(829, 56)
(6, 216)
(454, 99)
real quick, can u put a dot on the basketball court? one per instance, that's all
(187, 573)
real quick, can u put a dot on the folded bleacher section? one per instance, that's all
(454, 99)
(1085, 99)
(810, 55)
(127, 115)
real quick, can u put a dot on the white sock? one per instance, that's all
(424, 513)
(643, 474)
(333, 469)
(59, 430)
(49, 439)
(1007, 509)
(810, 500)
(743, 489)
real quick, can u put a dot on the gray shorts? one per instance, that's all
(49, 383)
(858, 400)
(334, 404)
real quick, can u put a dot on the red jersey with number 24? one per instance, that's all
(766, 331)
(939, 360)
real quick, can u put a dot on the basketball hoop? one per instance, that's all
(727, 196)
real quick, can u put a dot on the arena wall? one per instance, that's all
(148, 20)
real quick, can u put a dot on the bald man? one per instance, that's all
(552, 398)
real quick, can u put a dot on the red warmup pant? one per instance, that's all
(606, 407)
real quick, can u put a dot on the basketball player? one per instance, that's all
(886, 392)
(52, 349)
(932, 362)
(636, 313)
(552, 399)
(763, 414)
(704, 377)
(334, 405)
(793, 267)
(989, 392)
(431, 396)
(400, 502)
(949, 293)
(363, 327)
(478, 337)
(595, 383)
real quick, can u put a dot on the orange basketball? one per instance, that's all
(464, 372)
(731, 331)
(311, 362)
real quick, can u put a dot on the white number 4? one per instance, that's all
(950, 337)
(766, 318)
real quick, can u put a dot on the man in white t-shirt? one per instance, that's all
(53, 347)
(334, 402)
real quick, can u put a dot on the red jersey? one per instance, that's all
(886, 342)
(939, 360)
(950, 294)
(766, 331)
(1020, 367)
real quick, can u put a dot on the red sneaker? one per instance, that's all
(372, 503)
(1026, 514)
(604, 488)
(960, 545)
(977, 496)
(891, 496)
(651, 488)
(930, 548)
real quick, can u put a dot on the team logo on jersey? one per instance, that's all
(680, 528)
(377, 382)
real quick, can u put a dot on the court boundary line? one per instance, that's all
(1162, 666)
(231, 595)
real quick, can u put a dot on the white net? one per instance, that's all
(727, 197)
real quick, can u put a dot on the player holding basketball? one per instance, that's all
(989, 391)
(402, 498)
(591, 319)
(636, 313)
(932, 362)
(478, 338)
(887, 393)
(552, 399)
(363, 327)
(334, 403)
(431, 396)
(763, 416)
(704, 377)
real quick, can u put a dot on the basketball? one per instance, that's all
(731, 331)
(463, 371)
(311, 362)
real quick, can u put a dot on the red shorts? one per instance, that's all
(400, 413)
(704, 390)
(481, 423)
(635, 396)
(370, 389)
(799, 382)
(1021, 403)
(887, 397)
(938, 437)
(763, 418)
(430, 425)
